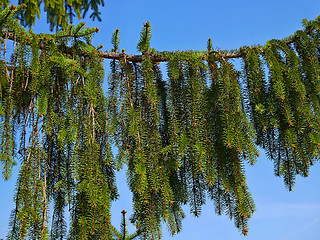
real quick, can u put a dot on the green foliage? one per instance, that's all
(59, 13)
(145, 37)
(184, 139)
(115, 40)
(56, 100)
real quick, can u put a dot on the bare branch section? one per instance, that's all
(138, 58)
(129, 57)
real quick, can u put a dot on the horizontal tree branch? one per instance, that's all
(115, 55)
(138, 58)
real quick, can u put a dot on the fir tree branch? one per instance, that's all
(116, 55)
(158, 57)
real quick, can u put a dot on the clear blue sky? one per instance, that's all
(185, 25)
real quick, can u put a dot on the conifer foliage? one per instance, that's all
(184, 139)
(59, 12)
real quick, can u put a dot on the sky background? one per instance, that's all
(186, 25)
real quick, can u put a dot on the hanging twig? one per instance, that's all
(124, 223)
